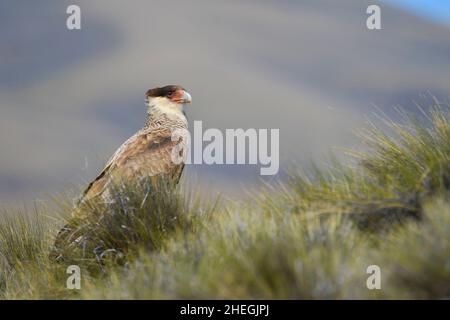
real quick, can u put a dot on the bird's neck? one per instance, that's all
(161, 116)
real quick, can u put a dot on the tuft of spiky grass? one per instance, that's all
(134, 216)
(392, 177)
(25, 271)
(22, 239)
(416, 159)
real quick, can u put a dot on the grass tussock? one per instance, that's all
(312, 237)
(140, 216)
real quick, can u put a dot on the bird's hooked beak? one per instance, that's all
(185, 98)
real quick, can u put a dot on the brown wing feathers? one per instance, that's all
(146, 153)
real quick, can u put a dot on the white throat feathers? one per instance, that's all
(160, 106)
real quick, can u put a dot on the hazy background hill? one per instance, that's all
(309, 68)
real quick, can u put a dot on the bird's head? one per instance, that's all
(170, 98)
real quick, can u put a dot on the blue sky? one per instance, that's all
(438, 10)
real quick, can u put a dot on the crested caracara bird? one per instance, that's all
(148, 153)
